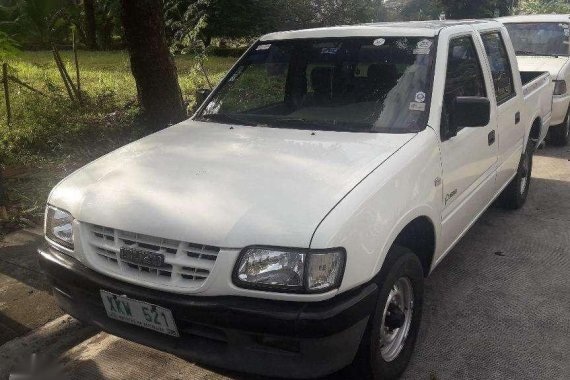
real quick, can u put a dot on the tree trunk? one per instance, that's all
(90, 24)
(151, 63)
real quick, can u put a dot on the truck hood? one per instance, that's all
(221, 185)
(543, 63)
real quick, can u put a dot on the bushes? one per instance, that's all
(45, 128)
(219, 51)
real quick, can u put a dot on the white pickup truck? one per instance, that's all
(542, 42)
(287, 227)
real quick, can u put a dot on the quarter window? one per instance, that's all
(500, 66)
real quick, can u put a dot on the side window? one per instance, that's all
(464, 74)
(500, 66)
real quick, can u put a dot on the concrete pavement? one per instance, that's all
(496, 308)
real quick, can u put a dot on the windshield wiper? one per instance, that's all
(225, 118)
(524, 52)
(534, 54)
(306, 124)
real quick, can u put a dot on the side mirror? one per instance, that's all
(201, 96)
(468, 112)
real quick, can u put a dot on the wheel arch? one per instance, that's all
(535, 131)
(418, 232)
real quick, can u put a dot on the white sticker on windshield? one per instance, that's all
(421, 97)
(379, 42)
(417, 106)
(421, 51)
(263, 47)
(424, 44)
(567, 32)
(329, 50)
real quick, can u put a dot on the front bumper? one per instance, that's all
(272, 338)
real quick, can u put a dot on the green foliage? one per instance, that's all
(543, 6)
(108, 21)
(412, 10)
(461, 9)
(35, 23)
(8, 47)
(190, 21)
(313, 13)
(49, 127)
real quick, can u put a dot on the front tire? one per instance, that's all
(390, 338)
(559, 135)
(515, 195)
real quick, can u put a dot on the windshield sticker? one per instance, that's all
(567, 32)
(421, 51)
(329, 50)
(264, 47)
(379, 42)
(420, 97)
(417, 106)
(424, 44)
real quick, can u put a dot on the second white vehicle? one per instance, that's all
(542, 42)
(286, 229)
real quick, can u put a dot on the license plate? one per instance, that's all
(139, 313)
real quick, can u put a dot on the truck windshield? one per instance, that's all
(338, 84)
(545, 38)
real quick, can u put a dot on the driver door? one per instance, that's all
(469, 158)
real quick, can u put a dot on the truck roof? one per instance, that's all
(535, 18)
(392, 29)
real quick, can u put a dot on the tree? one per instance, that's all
(460, 9)
(151, 63)
(543, 6)
(297, 14)
(90, 24)
(412, 10)
(37, 23)
(189, 20)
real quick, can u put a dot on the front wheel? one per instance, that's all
(516, 193)
(389, 341)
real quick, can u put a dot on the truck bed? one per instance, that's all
(529, 76)
(538, 89)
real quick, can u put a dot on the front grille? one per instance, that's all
(185, 264)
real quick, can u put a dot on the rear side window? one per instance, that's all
(500, 66)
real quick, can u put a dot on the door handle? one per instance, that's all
(517, 117)
(491, 138)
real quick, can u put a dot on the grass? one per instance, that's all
(49, 137)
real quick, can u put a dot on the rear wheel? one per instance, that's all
(389, 341)
(514, 196)
(560, 134)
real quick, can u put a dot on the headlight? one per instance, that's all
(59, 226)
(560, 87)
(290, 270)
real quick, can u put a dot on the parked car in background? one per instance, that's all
(542, 42)
(287, 227)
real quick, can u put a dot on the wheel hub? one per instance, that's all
(396, 319)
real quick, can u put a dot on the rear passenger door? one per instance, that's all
(510, 129)
(469, 158)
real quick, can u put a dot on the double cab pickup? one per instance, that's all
(287, 227)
